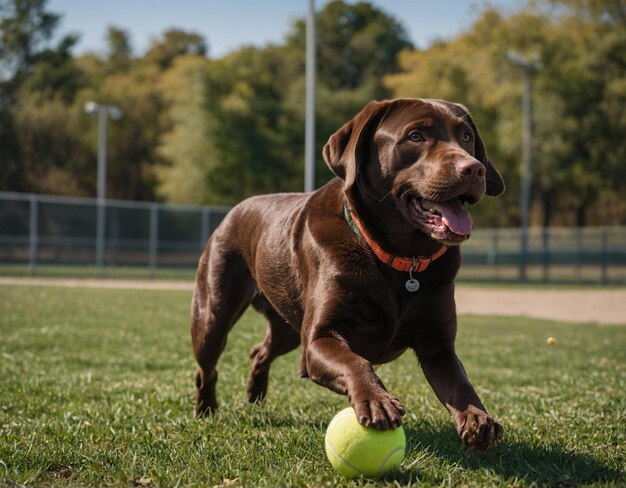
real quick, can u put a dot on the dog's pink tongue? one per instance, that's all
(455, 217)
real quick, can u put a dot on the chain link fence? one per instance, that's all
(38, 232)
(554, 255)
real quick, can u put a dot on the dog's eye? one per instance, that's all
(467, 137)
(416, 136)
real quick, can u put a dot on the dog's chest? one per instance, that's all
(378, 325)
(391, 319)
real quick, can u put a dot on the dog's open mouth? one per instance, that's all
(447, 222)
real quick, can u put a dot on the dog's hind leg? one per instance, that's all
(224, 289)
(280, 338)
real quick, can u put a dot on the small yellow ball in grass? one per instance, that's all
(551, 341)
(354, 450)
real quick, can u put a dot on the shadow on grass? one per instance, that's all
(433, 453)
(544, 465)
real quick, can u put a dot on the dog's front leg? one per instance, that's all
(446, 375)
(331, 363)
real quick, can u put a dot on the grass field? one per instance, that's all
(567, 276)
(97, 389)
(109, 272)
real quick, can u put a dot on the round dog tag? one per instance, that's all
(412, 285)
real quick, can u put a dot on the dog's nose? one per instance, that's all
(471, 168)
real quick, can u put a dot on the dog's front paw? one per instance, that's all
(477, 429)
(380, 411)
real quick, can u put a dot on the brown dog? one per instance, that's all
(359, 270)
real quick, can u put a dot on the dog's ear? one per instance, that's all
(335, 149)
(495, 183)
(346, 149)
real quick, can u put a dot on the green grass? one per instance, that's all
(109, 272)
(471, 275)
(97, 389)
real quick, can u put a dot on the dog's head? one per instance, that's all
(426, 155)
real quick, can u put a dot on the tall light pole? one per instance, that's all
(309, 129)
(103, 112)
(529, 66)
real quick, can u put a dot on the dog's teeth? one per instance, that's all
(433, 210)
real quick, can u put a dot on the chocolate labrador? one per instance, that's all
(361, 269)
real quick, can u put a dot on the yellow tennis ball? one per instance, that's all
(354, 450)
(551, 341)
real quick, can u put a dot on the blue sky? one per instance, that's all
(229, 24)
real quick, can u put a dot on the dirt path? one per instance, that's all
(599, 306)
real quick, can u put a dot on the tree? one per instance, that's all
(28, 63)
(175, 42)
(244, 96)
(357, 43)
(186, 148)
(25, 31)
(52, 158)
(134, 139)
(255, 98)
(586, 67)
(119, 49)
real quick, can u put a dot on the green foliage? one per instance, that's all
(244, 96)
(119, 49)
(25, 31)
(585, 68)
(185, 148)
(53, 160)
(174, 43)
(97, 389)
(356, 43)
(255, 99)
(29, 67)
(134, 139)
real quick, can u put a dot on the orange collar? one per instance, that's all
(415, 264)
